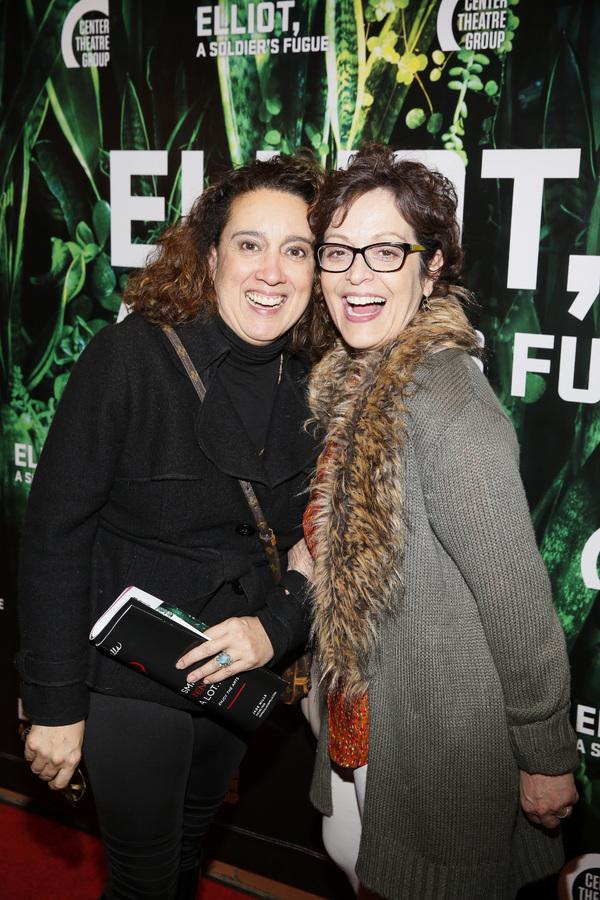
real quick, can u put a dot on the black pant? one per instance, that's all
(159, 776)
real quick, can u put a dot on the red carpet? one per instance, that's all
(42, 859)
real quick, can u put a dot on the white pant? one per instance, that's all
(342, 830)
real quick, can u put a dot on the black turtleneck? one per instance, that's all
(250, 375)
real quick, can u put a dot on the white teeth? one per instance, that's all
(357, 304)
(262, 300)
(365, 301)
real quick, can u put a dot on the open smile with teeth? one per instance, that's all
(363, 306)
(265, 301)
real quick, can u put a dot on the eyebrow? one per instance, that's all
(289, 238)
(376, 238)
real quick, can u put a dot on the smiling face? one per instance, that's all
(371, 308)
(263, 266)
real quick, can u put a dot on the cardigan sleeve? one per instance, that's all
(74, 476)
(478, 510)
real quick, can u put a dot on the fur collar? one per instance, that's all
(358, 399)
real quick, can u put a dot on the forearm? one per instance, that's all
(478, 510)
(54, 586)
(285, 614)
(73, 479)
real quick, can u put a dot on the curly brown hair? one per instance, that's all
(175, 286)
(426, 199)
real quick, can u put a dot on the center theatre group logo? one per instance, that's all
(587, 885)
(480, 24)
(86, 42)
(580, 878)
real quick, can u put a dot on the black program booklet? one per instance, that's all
(150, 636)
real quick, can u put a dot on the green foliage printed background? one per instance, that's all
(383, 77)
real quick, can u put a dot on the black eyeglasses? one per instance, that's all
(383, 257)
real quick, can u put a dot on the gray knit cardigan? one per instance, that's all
(470, 681)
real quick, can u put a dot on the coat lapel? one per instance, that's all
(223, 438)
(220, 433)
(289, 448)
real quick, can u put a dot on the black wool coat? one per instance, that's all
(137, 485)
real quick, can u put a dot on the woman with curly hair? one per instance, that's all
(138, 484)
(444, 718)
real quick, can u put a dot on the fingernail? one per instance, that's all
(192, 679)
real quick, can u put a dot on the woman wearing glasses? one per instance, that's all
(444, 679)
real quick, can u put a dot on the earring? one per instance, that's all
(425, 304)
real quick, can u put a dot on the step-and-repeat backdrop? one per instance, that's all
(114, 114)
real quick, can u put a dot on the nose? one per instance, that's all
(271, 269)
(359, 270)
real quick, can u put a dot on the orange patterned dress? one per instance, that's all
(348, 723)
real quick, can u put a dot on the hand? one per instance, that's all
(546, 799)
(300, 558)
(55, 752)
(244, 639)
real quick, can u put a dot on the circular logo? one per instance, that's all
(445, 33)
(580, 878)
(89, 54)
(587, 884)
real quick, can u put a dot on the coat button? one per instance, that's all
(236, 587)
(244, 530)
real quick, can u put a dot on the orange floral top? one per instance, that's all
(348, 723)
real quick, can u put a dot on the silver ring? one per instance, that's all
(224, 659)
(567, 813)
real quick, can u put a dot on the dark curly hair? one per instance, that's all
(426, 199)
(175, 286)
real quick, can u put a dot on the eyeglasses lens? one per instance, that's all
(384, 257)
(379, 257)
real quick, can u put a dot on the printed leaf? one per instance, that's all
(43, 53)
(61, 256)
(345, 59)
(59, 178)
(101, 220)
(415, 118)
(75, 99)
(103, 278)
(562, 547)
